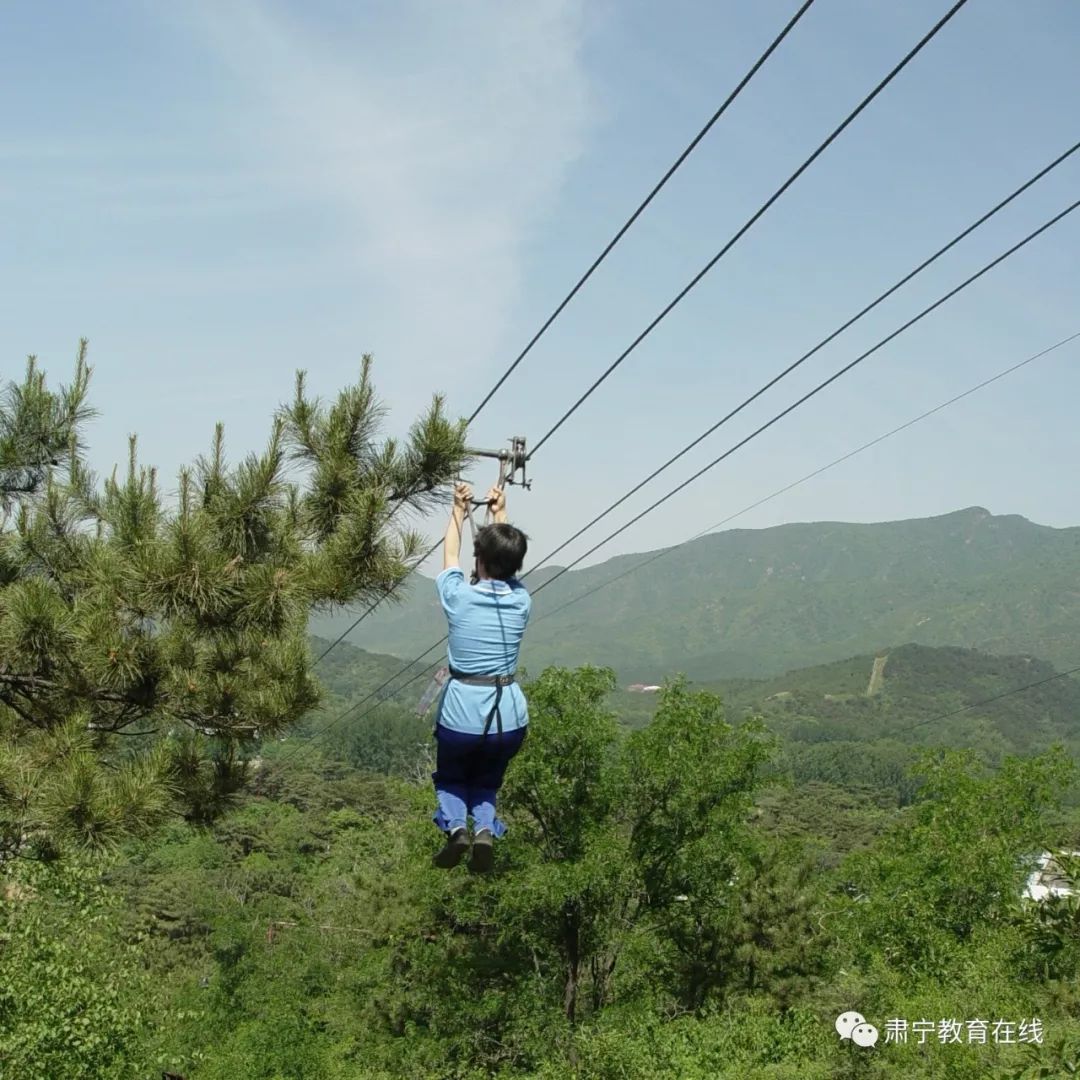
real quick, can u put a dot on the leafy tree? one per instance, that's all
(957, 864)
(143, 643)
(643, 836)
(1051, 928)
(76, 1012)
(619, 849)
(578, 887)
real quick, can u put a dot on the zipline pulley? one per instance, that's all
(511, 465)
(511, 471)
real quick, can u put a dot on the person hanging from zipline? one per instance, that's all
(483, 716)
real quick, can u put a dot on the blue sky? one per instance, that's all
(218, 193)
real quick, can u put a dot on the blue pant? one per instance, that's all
(469, 771)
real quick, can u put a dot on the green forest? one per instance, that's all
(210, 870)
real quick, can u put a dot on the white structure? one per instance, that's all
(1048, 878)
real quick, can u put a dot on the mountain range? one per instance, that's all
(757, 603)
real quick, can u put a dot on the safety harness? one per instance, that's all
(498, 681)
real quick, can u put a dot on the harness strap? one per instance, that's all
(472, 523)
(472, 529)
(483, 680)
(498, 681)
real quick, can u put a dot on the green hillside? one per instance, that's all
(833, 729)
(377, 731)
(846, 755)
(760, 602)
(348, 673)
(832, 703)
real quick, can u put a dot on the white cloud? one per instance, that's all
(441, 134)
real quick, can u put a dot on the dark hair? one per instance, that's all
(501, 548)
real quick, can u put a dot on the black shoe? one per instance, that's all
(483, 852)
(457, 843)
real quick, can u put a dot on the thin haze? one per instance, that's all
(219, 193)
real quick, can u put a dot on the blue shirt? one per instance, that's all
(487, 622)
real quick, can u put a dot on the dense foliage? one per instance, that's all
(649, 916)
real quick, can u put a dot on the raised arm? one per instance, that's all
(496, 500)
(452, 539)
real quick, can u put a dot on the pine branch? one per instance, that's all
(119, 616)
(39, 430)
(13, 704)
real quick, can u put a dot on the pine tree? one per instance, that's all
(143, 644)
(39, 429)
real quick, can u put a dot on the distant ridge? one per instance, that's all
(757, 602)
(925, 695)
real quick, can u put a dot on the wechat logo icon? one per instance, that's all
(853, 1026)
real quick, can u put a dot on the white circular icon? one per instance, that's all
(847, 1022)
(864, 1035)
